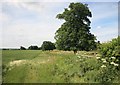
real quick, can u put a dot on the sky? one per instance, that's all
(30, 22)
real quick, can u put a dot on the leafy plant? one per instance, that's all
(110, 59)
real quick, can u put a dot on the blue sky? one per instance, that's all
(31, 23)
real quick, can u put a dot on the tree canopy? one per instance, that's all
(74, 34)
(47, 45)
(22, 48)
(33, 47)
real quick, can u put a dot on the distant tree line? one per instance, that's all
(47, 45)
(9, 49)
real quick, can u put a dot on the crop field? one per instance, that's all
(36, 66)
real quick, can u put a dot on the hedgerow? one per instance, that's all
(110, 60)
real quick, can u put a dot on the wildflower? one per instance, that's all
(103, 66)
(104, 61)
(112, 63)
(97, 57)
(113, 57)
(115, 64)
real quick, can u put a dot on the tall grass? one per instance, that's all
(55, 67)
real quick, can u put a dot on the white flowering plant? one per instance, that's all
(110, 60)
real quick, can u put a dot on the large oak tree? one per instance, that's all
(74, 34)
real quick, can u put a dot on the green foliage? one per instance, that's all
(47, 45)
(108, 74)
(111, 49)
(110, 59)
(22, 48)
(33, 48)
(74, 34)
(77, 69)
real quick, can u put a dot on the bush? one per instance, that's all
(111, 49)
(33, 48)
(22, 48)
(47, 45)
(110, 60)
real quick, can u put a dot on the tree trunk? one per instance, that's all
(75, 51)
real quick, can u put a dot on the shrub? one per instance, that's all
(111, 48)
(110, 60)
(47, 45)
(22, 48)
(33, 47)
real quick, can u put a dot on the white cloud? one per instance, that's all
(103, 10)
(4, 17)
(98, 27)
(32, 6)
(39, 7)
(22, 33)
(105, 33)
(104, 21)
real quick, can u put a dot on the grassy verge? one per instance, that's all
(52, 67)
